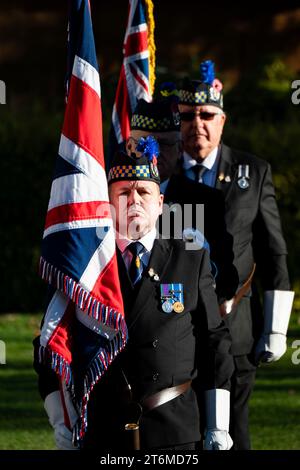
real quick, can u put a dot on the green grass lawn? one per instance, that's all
(274, 413)
(23, 422)
(275, 403)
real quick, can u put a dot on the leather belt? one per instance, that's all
(165, 395)
(228, 305)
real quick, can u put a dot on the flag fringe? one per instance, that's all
(95, 371)
(82, 298)
(103, 314)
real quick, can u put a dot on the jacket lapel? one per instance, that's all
(159, 258)
(127, 287)
(227, 171)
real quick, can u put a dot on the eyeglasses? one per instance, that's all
(203, 115)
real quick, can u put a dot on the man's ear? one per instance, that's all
(128, 146)
(161, 202)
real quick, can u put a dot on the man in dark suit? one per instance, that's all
(186, 202)
(175, 331)
(253, 221)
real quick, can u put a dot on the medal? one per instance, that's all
(178, 307)
(167, 306)
(243, 177)
(171, 296)
(243, 183)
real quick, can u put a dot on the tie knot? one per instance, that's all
(136, 248)
(199, 170)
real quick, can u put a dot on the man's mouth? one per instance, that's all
(134, 212)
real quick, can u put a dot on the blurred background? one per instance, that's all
(257, 56)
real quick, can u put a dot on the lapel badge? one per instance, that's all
(225, 179)
(243, 177)
(153, 274)
(171, 296)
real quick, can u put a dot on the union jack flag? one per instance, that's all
(84, 326)
(137, 73)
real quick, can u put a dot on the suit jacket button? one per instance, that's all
(155, 376)
(155, 343)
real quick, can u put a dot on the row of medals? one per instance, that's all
(171, 303)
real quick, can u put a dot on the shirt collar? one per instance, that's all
(208, 162)
(147, 240)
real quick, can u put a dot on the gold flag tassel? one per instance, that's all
(151, 43)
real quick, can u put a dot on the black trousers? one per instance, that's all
(242, 383)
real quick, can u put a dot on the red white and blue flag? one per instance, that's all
(84, 326)
(137, 73)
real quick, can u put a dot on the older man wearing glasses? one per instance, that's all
(253, 220)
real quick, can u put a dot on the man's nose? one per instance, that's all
(133, 197)
(197, 121)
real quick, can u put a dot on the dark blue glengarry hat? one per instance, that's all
(131, 167)
(207, 90)
(156, 116)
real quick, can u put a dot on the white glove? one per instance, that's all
(271, 347)
(217, 440)
(217, 405)
(277, 310)
(55, 411)
(63, 437)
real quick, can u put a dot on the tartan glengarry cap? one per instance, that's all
(131, 167)
(156, 116)
(207, 90)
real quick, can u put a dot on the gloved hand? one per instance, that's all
(63, 437)
(217, 405)
(54, 408)
(277, 310)
(217, 440)
(270, 348)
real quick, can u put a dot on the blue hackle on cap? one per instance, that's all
(207, 71)
(148, 146)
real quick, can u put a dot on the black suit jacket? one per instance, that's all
(164, 349)
(181, 190)
(253, 221)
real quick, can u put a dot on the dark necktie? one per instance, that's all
(136, 266)
(199, 171)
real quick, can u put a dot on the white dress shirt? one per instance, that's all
(147, 241)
